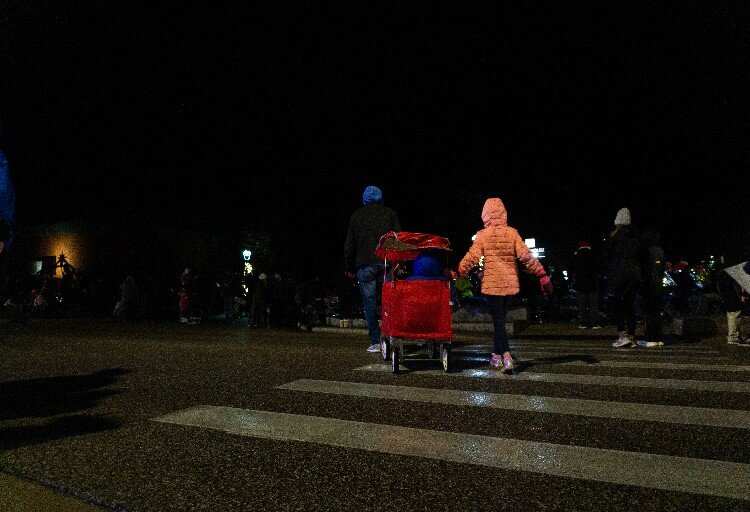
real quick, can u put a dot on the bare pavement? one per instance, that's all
(102, 415)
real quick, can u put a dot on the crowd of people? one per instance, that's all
(631, 270)
(641, 285)
(625, 281)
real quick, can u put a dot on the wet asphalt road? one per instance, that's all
(80, 399)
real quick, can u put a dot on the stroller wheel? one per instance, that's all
(445, 356)
(394, 359)
(431, 350)
(385, 348)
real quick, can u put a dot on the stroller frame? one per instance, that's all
(414, 311)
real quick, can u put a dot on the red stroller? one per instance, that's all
(415, 310)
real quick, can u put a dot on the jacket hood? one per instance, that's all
(494, 213)
(371, 195)
(623, 217)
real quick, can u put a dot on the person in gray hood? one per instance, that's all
(366, 225)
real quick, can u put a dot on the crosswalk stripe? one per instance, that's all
(593, 380)
(670, 473)
(550, 360)
(608, 348)
(596, 408)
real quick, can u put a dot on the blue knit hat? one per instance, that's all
(372, 194)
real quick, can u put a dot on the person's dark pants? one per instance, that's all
(587, 308)
(730, 293)
(652, 316)
(4, 284)
(128, 310)
(623, 311)
(370, 279)
(498, 306)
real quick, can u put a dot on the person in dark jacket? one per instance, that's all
(735, 259)
(366, 226)
(129, 294)
(685, 289)
(7, 219)
(653, 267)
(259, 316)
(623, 271)
(585, 276)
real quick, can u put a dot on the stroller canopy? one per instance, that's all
(404, 245)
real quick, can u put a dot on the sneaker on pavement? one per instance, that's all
(508, 365)
(649, 344)
(496, 360)
(742, 342)
(623, 342)
(375, 347)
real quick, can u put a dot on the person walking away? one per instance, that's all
(501, 247)
(129, 294)
(622, 256)
(366, 226)
(7, 221)
(653, 267)
(585, 277)
(733, 283)
(183, 304)
(260, 307)
(685, 289)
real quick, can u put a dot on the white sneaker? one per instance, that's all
(623, 342)
(374, 348)
(742, 342)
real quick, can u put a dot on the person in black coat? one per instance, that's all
(653, 267)
(623, 272)
(585, 277)
(366, 226)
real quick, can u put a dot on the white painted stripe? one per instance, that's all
(681, 474)
(588, 347)
(596, 408)
(549, 360)
(630, 357)
(591, 380)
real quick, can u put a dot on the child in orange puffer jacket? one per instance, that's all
(501, 246)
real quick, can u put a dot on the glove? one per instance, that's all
(546, 285)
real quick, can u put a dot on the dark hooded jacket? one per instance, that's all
(585, 270)
(623, 260)
(653, 263)
(366, 225)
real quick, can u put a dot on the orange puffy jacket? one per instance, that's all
(501, 246)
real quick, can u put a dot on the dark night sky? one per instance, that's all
(276, 115)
